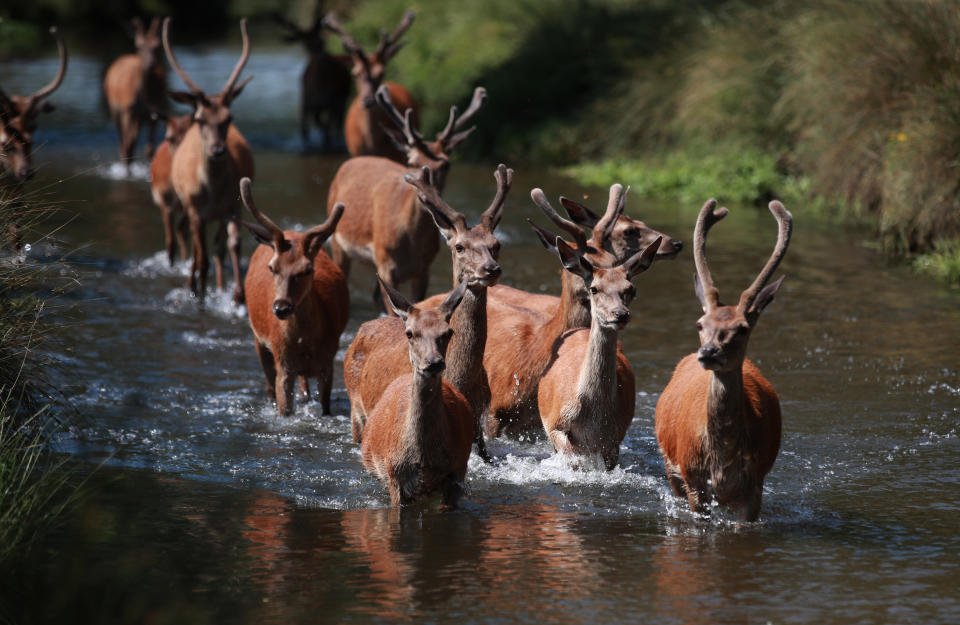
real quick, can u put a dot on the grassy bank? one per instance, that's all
(34, 484)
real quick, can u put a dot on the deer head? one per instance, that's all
(428, 331)
(211, 113)
(368, 70)
(18, 121)
(616, 232)
(177, 127)
(610, 290)
(725, 330)
(147, 42)
(312, 38)
(292, 260)
(433, 154)
(475, 250)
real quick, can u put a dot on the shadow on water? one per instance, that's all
(211, 509)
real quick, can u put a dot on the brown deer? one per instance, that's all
(298, 305)
(385, 224)
(718, 419)
(586, 396)
(364, 129)
(207, 168)
(161, 187)
(324, 85)
(18, 122)
(525, 326)
(377, 354)
(136, 87)
(418, 437)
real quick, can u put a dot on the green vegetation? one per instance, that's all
(34, 483)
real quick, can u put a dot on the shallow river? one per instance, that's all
(208, 508)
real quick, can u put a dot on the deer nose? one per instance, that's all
(282, 309)
(492, 270)
(435, 365)
(217, 150)
(708, 352)
(24, 173)
(622, 316)
(677, 244)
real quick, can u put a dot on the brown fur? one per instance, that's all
(363, 129)
(164, 195)
(135, 86)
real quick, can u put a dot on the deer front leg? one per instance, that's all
(285, 384)
(418, 285)
(151, 135)
(561, 441)
(452, 491)
(198, 267)
(182, 232)
(168, 241)
(233, 234)
(269, 368)
(325, 386)
(304, 388)
(219, 251)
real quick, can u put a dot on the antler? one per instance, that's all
(708, 216)
(246, 194)
(349, 43)
(244, 55)
(325, 229)
(784, 231)
(491, 217)
(40, 94)
(403, 122)
(454, 123)
(388, 45)
(173, 59)
(541, 200)
(430, 196)
(615, 204)
(154, 26)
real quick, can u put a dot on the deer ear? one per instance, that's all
(573, 261)
(453, 300)
(579, 214)
(446, 227)
(184, 97)
(398, 303)
(766, 296)
(641, 261)
(261, 234)
(546, 238)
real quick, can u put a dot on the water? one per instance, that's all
(208, 508)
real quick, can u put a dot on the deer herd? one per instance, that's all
(435, 376)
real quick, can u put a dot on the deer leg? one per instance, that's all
(561, 442)
(199, 266)
(750, 506)
(130, 131)
(168, 243)
(285, 383)
(452, 490)
(325, 386)
(269, 368)
(357, 421)
(304, 388)
(182, 233)
(219, 251)
(418, 285)
(151, 136)
(233, 241)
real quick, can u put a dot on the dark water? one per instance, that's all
(211, 509)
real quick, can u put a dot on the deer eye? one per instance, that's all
(594, 290)
(409, 334)
(699, 327)
(459, 248)
(272, 269)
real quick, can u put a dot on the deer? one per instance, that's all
(718, 419)
(523, 327)
(136, 86)
(418, 437)
(385, 224)
(377, 354)
(586, 396)
(298, 305)
(18, 122)
(207, 167)
(364, 128)
(162, 191)
(324, 84)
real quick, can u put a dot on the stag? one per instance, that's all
(298, 305)
(324, 85)
(136, 89)
(364, 130)
(418, 437)
(524, 327)
(18, 122)
(377, 355)
(718, 419)
(586, 396)
(207, 168)
(385, 224)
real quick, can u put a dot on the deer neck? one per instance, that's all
(725, 401)
(465, 351)
(426, 404)
(597, 381)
